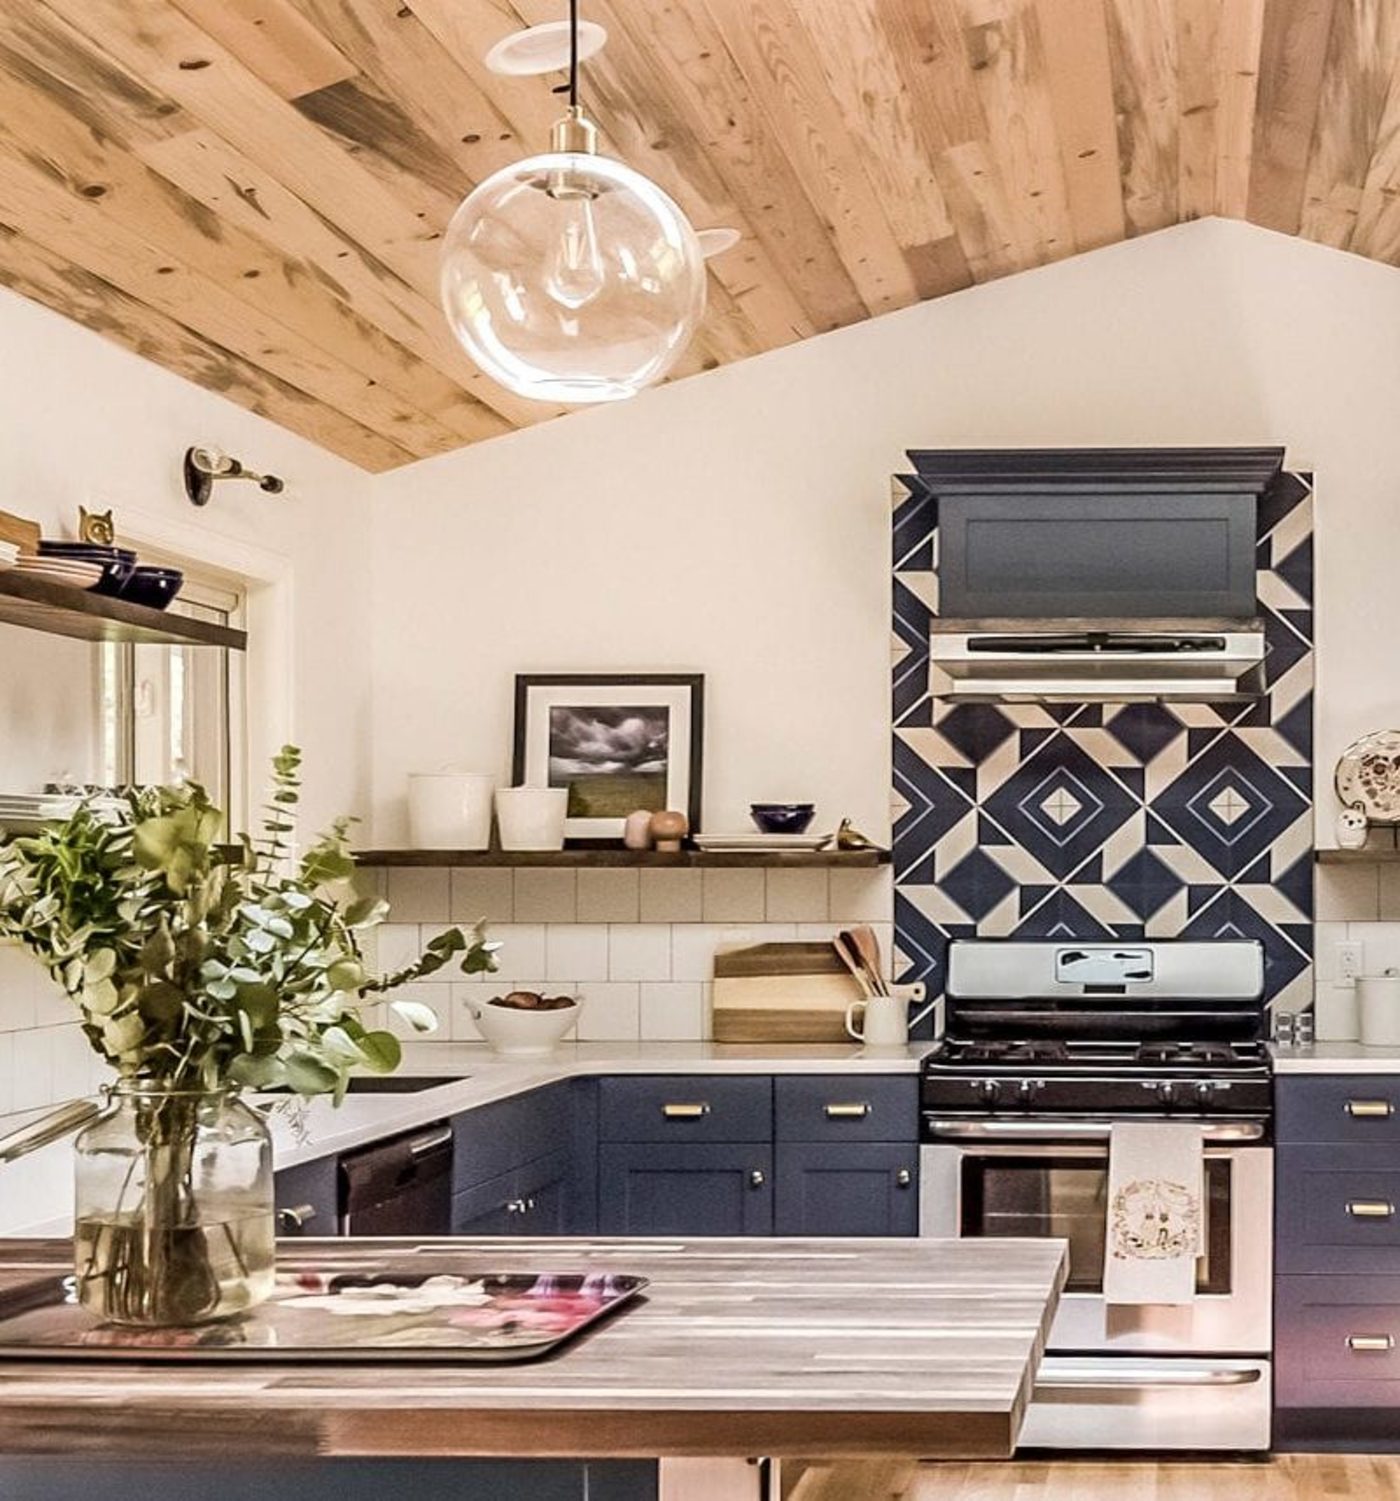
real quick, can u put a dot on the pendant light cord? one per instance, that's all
(573, 54)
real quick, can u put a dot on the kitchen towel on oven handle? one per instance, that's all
(1156, 1212)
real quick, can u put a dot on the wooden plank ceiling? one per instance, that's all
(251, 192)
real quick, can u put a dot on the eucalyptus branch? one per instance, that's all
(190, 964)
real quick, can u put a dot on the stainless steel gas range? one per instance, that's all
(1045, 1045)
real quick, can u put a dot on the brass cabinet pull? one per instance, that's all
(904, 1177)
(517, 1206)
(1371, 1342)
(853, 1112)
(1370, 1109)
(1370, 1209)
(685, 1112)
(297, 1217)
(757, 1178)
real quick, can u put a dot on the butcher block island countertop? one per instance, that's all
(829, 1348)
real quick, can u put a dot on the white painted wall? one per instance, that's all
(737, 523)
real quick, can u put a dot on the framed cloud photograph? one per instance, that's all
(617, 741)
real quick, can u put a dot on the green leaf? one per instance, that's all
(257, 1072)
(160, 1001)
(421, 1018)
(100, 965)
(345, 974)
(100, 999)
(382, 1051)
(338, 1042)
(310, 1075)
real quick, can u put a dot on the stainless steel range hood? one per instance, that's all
(1097, 574)
(1103, 661)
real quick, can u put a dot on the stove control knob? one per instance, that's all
(989, 1090)
(1204, 1091)
(1028, 1090)
(1166, 1092)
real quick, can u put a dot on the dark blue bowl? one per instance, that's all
(782, 818)
(117, 562)
(155, 587)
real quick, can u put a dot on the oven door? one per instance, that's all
(1038, 1187)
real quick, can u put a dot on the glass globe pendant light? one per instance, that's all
(569, 277)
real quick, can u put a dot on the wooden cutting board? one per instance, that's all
(24, 533)
(782, 992)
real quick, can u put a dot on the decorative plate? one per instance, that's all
(1368, 776)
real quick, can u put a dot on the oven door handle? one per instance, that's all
(1073, 1130)
(1094, 1378)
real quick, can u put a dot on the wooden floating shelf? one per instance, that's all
(1382, 856)
(38, 605)
(583, 859)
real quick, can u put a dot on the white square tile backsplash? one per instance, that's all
(611, 1011)
(638, 946)
(546, 896)
(576, 951)
(639, 951)
(608, 895)
(420, 894)
(733, 895)
(479, 895)
(672, 895)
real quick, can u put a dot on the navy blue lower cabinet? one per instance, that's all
(308, 1198)
(533, 1200)
(651, 1188)
(852, 1188)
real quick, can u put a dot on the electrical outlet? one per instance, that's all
(1349, 960)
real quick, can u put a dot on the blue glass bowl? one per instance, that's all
(155, 587)
(782, 818)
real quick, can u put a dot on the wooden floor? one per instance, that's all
(1286, 1477)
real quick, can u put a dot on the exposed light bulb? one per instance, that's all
(575, 273)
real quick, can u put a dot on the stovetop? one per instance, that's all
(1151, 1059)
(1158, 1027)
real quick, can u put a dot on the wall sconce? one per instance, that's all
(205, 465)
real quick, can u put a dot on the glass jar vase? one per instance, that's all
(173, 1218)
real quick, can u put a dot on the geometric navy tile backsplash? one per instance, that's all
(1108, 820)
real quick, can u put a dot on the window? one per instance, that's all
(176, 713)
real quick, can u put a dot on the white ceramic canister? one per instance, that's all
(1378, 1010)
(450, 810)
(532, 818)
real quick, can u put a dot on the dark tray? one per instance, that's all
(442, 1318)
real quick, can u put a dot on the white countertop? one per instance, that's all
(1335, 1058)
(303, 1131)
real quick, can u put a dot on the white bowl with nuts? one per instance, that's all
(525, 1024)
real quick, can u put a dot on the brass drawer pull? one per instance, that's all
(1370, 1109)
(685, 1112)
(904, 1177)
(852, 1112)
(1370, 1209)
(1371, 1343)
(757, 1178)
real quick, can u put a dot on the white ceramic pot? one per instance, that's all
(532, 818)
(450, 810)
(522, 1034)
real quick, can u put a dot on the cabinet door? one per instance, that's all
(543, 1188)
(308, 1198)
(649, 1188)
(496, 1139)
(852, 1188)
